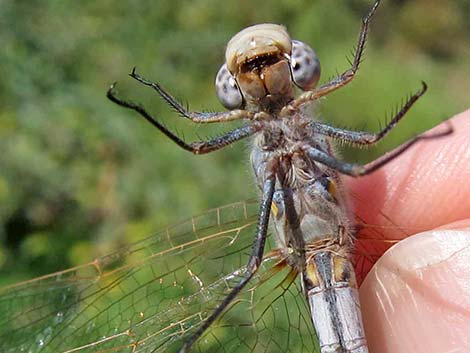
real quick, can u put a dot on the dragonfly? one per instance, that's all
(221, 281)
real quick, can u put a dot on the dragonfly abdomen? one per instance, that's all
(331, 290)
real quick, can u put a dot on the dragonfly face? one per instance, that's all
(262, 65)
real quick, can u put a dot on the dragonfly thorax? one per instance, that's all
(309, 205)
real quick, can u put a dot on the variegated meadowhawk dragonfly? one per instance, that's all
(207, 284)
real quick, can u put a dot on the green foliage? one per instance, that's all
(80, 176)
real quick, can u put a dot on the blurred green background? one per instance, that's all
(80, 176)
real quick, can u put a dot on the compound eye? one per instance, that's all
(305, 66)
(227, 89)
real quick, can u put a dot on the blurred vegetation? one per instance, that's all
(79, 176)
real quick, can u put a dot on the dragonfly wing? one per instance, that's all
(270, 315)
(150, 296)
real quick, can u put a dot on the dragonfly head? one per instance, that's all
(262, 65)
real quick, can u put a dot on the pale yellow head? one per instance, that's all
(255, 41)
(262, 65)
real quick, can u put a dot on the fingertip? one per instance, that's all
(416, 298)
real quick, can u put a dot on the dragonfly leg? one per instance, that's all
(348, 75)
(197, 117)
(253, 262)
(367, 138)
(356, 170)
(203, 147)
(198, 147)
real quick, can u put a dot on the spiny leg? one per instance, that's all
(356, 170)
(367, 138)
(196, 117)
(253, 263)
(199, 147)
(347, 75)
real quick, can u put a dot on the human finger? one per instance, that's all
(426, 187)
(416, 298)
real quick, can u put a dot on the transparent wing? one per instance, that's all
(150, 296)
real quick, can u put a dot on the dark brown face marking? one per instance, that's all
(259, 62)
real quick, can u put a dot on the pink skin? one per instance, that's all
(417, 296)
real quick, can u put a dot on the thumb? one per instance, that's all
(417, 296)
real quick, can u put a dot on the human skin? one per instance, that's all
(417, 296)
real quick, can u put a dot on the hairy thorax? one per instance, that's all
(315, 192)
